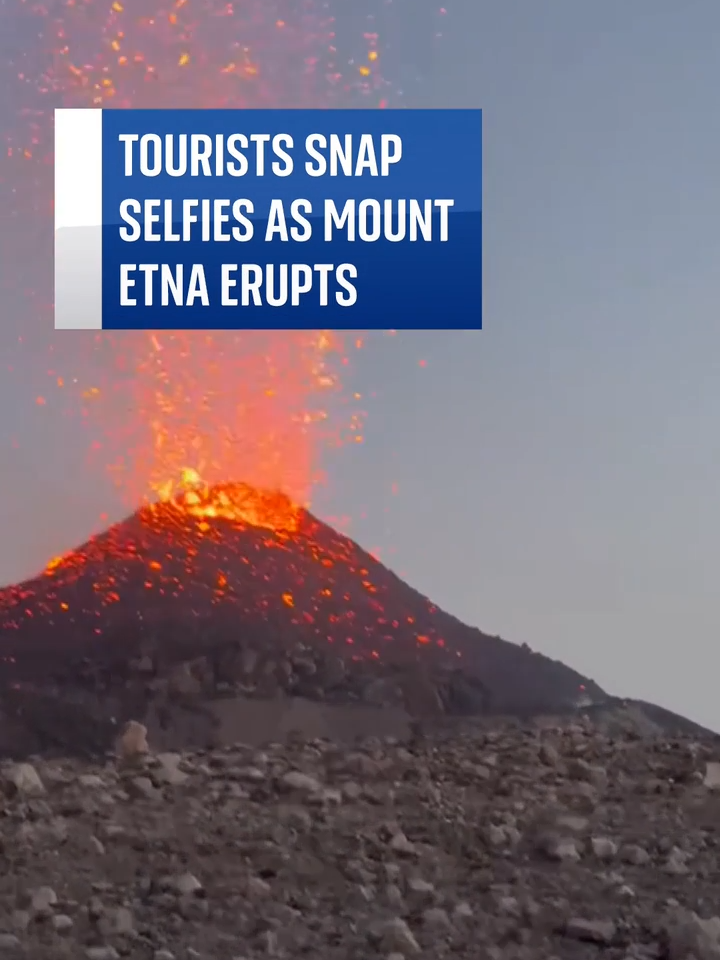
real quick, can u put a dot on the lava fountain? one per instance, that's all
(172, 414)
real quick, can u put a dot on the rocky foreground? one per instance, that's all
(552, 842)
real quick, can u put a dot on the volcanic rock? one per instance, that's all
(278, 851)
(133, 741)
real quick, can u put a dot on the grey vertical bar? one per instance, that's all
(78, 278)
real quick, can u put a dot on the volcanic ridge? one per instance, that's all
(234, 592)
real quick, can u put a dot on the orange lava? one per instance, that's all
(239, 503)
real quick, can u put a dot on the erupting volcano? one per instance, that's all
(217, 570)
(222, 584)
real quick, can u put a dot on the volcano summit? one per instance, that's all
(232, 590)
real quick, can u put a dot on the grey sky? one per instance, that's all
(559, 473)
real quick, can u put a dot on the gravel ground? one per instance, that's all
(498, 843)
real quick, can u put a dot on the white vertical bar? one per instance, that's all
(78, 219)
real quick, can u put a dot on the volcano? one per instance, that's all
(268, 600)
(227, 566)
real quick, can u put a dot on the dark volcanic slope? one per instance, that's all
(190, 573)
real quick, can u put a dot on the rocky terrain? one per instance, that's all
(237, 692)
(554, 842)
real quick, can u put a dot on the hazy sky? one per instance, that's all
(559, 473)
